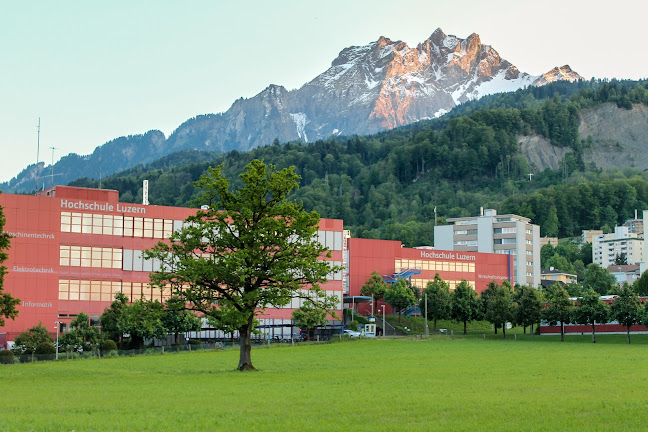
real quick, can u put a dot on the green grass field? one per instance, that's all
(366, 385)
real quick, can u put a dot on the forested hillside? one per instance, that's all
(387, 185)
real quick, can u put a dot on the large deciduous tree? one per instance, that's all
(465, 306)
(437, 293)
(28, 341)
(400, 296)
(142, 320)
(312, 314)
(244, 250)
(599, 279)
(7, 302)
(500, 307)
(82, 337)
(557, 308)
(109, 319)
(374, 287)
(176, 319)
(590, 309)
(526, 306)
(626, 308)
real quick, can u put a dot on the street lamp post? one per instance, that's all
(427, 327)
(383, 314)
(57, 337)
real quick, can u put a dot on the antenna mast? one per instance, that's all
(99, 167)
(37, 153)
(53, 148)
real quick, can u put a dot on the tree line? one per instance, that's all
(521, 305)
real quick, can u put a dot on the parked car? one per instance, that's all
(352, 333)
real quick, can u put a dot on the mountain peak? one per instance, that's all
(563, 73)
(382, 41)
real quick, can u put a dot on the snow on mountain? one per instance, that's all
(367, 89)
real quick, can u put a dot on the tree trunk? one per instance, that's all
(628, 332)
(532, 329)
(504, 331)
(525, 329)
(176, 338)
(593, 333)
(434, 329)
(464, 327)
(562, 332)
(495, 325)
(245, 342)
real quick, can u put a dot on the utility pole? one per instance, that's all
(427, 327)
(53, 148)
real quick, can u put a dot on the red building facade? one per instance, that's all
(73, 249)
(389, 257)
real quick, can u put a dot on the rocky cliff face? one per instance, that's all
(619, 139)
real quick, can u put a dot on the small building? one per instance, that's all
(553, 241)
(625, 274)
(588, 235)
(555, 275)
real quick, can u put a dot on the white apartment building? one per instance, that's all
(606, 247)
(493, 233)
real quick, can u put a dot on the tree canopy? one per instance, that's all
(244, 250)
(590, 309)
(7, 302)
(399, 296)
(558, 308)
(375, 286)
(437, 294)
(626, 308)
(465, 306)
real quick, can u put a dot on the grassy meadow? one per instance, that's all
(365, 385)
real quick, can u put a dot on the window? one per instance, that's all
(89, 256)
(505, 230)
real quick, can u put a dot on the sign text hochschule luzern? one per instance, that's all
(447, 255)
(119, 207)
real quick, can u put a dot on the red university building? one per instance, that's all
(74, 248)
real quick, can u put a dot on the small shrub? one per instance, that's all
(7, 357)
(194, 342)
(353, 325)
(107, 346)
(45, 351)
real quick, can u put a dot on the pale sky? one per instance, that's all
(95, 71)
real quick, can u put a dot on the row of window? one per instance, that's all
(466, 232)
(92, 290)
(131, 226)
(505, 241)
(422, 283)
(434, 265)
(90, 256)
(466, 243)
(127, 226)
(126, 259)
(505, 230)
